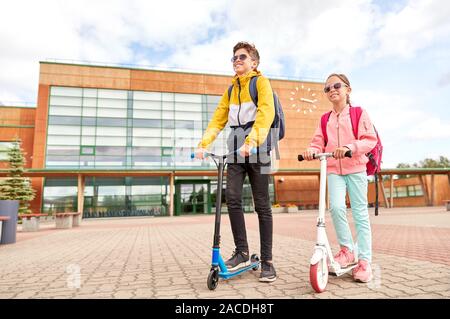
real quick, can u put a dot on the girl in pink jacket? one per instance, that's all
(347, 174)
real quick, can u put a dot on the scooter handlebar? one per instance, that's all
(315, 156)
(206, 154)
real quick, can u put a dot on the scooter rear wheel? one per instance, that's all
(213, 279)
(318, 277)
(254, 258)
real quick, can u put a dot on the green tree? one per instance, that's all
(17, 187)
(442, 162)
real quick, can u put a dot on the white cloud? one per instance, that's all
(444, 80)
(307, 35)
(407, 129)
(402, 118)
(295, 37)
(430, 129)
(98, 31)
(419, 24)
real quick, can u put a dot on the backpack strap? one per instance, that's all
(355, 115)
(253, 90)
(229, 92)
(323, 123)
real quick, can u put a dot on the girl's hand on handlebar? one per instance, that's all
(340, 152)
(308, 155)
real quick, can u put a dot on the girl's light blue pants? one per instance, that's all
(356, 185)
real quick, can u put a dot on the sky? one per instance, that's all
(395, 53)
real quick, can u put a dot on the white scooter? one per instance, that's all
(320, 268)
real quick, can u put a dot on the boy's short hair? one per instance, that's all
(250, 49)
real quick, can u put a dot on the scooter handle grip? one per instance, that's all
(301, 158)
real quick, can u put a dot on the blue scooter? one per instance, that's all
(218, 267)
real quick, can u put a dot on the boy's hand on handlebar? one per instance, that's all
(308, 155)
(245, 150)
(340, 152)
(200, 153)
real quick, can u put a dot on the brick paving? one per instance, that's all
(169, 257)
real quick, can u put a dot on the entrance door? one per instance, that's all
(192, 197)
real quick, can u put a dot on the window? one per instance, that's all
(66, 91)
(63, 140)
(112, 103)
(60, 195)
(401, 191)
(4, 148)
(87, 150)
(65, 101)
(64, 120)
(167, 151)
(146, 105)
(63, 130)
(111, 131)
(112, 94)
(415, 190)
(147, 96)
(65, 110)
(191, 98)
(111, 112)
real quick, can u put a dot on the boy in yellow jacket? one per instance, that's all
(250, 125)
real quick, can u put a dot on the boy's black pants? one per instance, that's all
(236, 173)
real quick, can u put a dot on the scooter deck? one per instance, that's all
(342, 270)
(229, 274)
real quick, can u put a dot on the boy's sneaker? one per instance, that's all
(345, 257)
(268, 273)
(238, 260)
(362, 272)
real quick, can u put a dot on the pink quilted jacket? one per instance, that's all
(340, 133)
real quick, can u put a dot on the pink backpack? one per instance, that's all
(374, 164)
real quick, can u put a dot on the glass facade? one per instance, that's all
(119, 129)
(109, 197)
(99, 128)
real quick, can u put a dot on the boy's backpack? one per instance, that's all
(373, 166)
(277, 129)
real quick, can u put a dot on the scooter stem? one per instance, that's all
(220, 169)
(323, 186)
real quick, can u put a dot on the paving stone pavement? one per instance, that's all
(169, 257)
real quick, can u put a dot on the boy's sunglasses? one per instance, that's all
(241, 57)
(335, 86)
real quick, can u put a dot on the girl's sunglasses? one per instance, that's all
(241, 57)
(335, 86)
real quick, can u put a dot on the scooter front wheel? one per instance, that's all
(213, 279)
(318, 275)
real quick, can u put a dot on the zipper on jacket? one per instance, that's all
(239, 98)
(339, 143)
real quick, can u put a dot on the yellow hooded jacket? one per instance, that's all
(240, 110)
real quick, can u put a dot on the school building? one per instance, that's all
(116, 141)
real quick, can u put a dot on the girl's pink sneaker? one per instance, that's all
(362, 272)
(345, 257)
